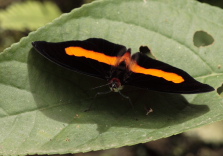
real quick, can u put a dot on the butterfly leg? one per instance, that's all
(128, 98)
(97, 94)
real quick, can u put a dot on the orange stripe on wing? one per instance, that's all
(100, 57)
(158, 73)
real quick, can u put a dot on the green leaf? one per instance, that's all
(42, 104)
(28, 15)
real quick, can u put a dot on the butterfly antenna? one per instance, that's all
(98, 87)
(101, 86)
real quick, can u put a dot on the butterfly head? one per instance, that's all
(115, 85)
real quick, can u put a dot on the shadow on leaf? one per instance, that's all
(63, 95)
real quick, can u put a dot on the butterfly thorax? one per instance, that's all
(120, 72)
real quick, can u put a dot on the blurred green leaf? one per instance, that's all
(28, 15)
(42, 105)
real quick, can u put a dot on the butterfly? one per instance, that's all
(114, 63)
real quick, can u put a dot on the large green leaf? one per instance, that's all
(42, 104)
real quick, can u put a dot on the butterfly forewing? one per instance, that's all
(88, 63)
